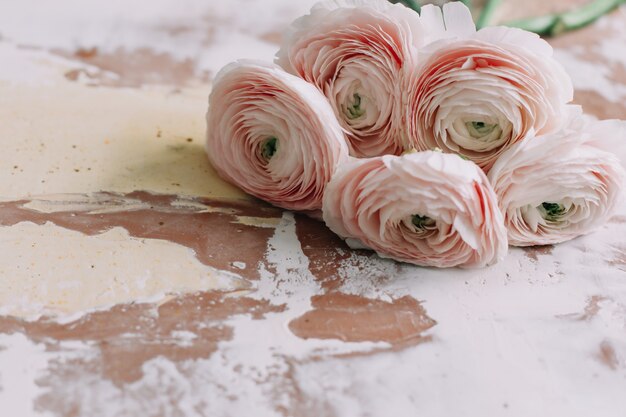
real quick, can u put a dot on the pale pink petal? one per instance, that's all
(379, 5)
(424, 208)
(432, 21)
(555, 187)
(359, 54)
(458, 19)
(273, 135)
(517, 37)
(477, 94)
(453, 20)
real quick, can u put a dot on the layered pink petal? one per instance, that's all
(358, 53)
(450, 21)
(273, 135)
(478, 93)
(425, 208)
(555, 187)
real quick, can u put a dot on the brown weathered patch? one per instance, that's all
(324, 249)
(594, 103)
(618, 74)
(86, 53)
(592, 308)
(585, 41)
(607, 355)
(328, 254)
(353, 318)
(217, 238)
(122, 68)
(533, 252)
(272, 37)
(128, 335)
(618, 258)
(511, 10)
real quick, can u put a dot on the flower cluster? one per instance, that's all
(416, 135)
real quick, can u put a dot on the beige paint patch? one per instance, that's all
(119, 140)
(258, 221)
(49, 269)
(209, 232)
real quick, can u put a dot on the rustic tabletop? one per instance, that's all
(134, 282)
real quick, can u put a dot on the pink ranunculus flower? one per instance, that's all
(425, 208)
(476, 93)
(555, 187)
(359, 54)
(273, 135)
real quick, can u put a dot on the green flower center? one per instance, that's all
(422, 222)
(479, 129)
(553, 211)
(354, 109)
(269, 148)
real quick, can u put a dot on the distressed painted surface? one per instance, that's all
(135, 282)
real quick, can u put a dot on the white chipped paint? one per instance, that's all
(239, 265)
(590, 77)
(247, 372)
(210, 33)
(596, 76)
(86, 203)
(22, 362)
(506, 341)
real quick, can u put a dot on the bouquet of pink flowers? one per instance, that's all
(416, 135)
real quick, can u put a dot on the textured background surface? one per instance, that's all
(134, 282)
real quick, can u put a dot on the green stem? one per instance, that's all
(555, 24)
(541, 25)
(412, 4)
(486, 16)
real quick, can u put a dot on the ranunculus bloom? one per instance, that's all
(555, 187)
(425, 208)
(478, 93)
(359, 53)
(273, 135)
